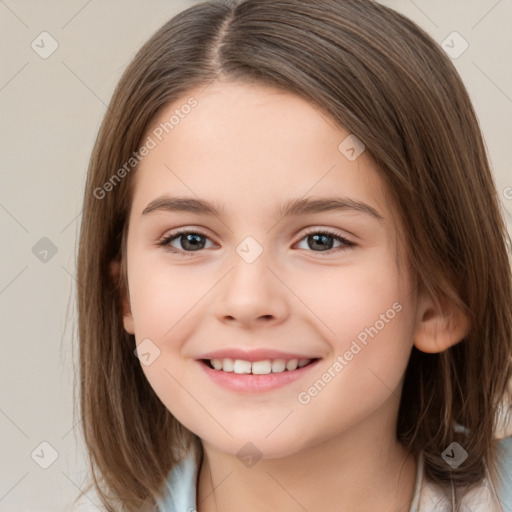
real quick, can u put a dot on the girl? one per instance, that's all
(294, 287)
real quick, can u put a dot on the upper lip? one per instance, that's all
(253, 355)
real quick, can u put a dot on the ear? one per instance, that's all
(439, 326)
(115, 269)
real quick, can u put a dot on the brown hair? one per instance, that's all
(381, 77)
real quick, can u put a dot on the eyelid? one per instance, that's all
(164, 241)
(346, 243)
(330, 231)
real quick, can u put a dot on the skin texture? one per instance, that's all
(250, 148)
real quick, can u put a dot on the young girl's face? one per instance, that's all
(250, 278)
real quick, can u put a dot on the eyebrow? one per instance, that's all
(291, 207)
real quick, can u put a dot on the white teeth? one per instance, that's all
(258, 367)
(217, 364)
(278, 365)
(261, 367)
(292, 364)
(227, 365)
(241, 366)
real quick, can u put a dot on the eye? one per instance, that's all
(190, 241)
(322, 240)
(194, 241)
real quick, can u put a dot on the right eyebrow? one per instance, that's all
(300, 206)
(184, 204)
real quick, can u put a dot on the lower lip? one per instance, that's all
(249, 383)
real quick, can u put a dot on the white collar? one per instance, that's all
(181, 487)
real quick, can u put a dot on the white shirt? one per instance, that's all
(181, 485)
(428, 497)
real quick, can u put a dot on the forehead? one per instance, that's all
(251, 139)
(250, 144)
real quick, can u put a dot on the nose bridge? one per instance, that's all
(251, 291)
(250, 276)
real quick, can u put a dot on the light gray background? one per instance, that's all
(50, 112)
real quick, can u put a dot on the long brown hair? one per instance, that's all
(381, 77)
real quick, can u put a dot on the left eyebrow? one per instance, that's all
(291, 207)
(310, 206)
(184, 204)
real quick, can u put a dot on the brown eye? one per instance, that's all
(188, 241)
(323, 241)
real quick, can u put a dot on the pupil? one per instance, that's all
(316, 238)
(194, 244)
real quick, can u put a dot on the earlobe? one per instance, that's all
(115, 268)
(439, 326)
(128, 323)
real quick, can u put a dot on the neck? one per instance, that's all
(360, 469)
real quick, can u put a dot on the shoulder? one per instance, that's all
(488, 496)
(503, 437)
(179, 492)
(504, 483)
(181, 485)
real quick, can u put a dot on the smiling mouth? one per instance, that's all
(264, 367)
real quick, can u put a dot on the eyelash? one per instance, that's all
(173, 236)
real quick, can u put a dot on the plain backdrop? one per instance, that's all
(50, 111)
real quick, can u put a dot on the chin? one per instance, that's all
(255, 447)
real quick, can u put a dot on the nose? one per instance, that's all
(252, 295)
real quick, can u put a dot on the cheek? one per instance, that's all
(350, 297)
(376, 354)
(369, 323)
(162, 306)
(163, 296)
(167, 308)
(370, 355)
